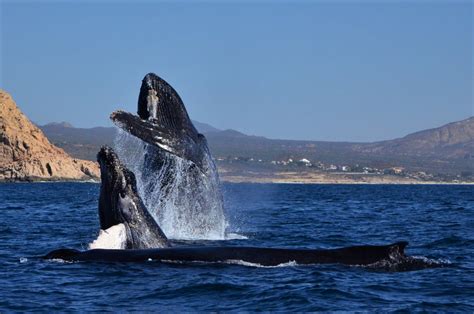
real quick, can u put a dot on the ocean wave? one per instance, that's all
(61, 261)
(12, 208)
(449, 241)
(235, 236)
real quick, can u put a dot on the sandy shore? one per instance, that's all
(323, 178)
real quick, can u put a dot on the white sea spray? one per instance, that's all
(186, 203)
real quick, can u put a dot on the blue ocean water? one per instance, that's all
(438, 221)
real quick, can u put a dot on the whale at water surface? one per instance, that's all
(353, 255)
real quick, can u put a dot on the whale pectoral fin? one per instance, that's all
(151, 133)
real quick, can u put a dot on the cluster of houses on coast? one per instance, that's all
(309, 165)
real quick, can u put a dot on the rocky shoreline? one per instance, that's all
(49, 180)
(27, 155)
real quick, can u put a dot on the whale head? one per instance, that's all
(120, 204)
(159, 102)
(163, 122)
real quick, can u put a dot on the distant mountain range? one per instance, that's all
(448, 149)
(453, 140)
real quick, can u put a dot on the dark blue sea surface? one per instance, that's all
(438, 221)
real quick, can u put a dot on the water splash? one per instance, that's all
(233, 262)
(186, 203)
(235, 236)
(408, 263)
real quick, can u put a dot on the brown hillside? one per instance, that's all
(26, 154)
(453, 140)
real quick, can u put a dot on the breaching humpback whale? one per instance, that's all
(177, 176)
(355, 255)
(164, 124)
(119, 204)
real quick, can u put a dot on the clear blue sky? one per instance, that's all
(357, 71)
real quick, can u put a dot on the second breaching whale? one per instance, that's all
(176, 175)
(125, 222)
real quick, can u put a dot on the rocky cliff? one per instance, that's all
(27, 155)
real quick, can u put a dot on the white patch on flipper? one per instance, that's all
(113, 238)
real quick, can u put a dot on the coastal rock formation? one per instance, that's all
(27, 155)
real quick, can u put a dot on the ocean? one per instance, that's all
(437, 221)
